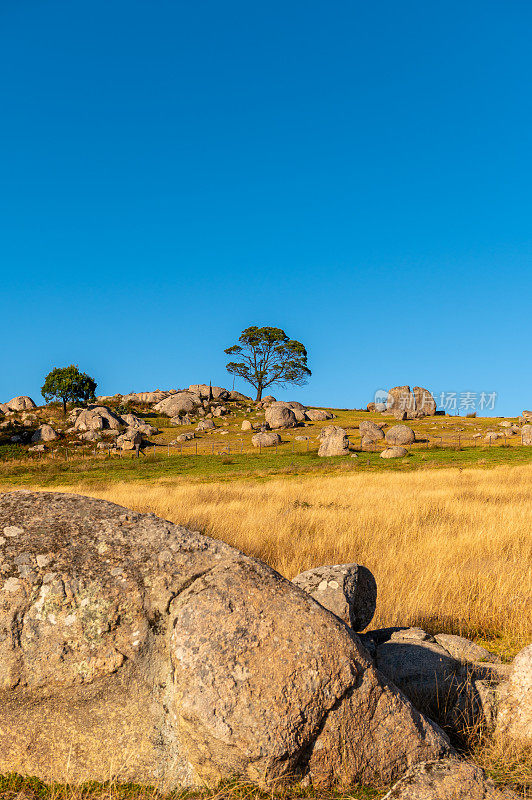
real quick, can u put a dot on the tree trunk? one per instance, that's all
(64, 406)
(259, 394)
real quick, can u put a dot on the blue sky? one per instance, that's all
(356, 173)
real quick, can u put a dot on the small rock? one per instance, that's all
(12, 585)
(412, 633)
(317, 415)
(446, 779)
(12, 531)
(205, 425)
(265, 439)
(464, 649)
(348, 590)
(394, 452)
(183, 437)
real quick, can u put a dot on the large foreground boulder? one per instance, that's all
(134, 649)
(348, 590)
(447, 779)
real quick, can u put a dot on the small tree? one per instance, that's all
(68, 384)
(267, 358)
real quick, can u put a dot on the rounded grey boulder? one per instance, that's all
(370, 432)
(21, 403)
(318, 415)
(400, 435)
(280, 416)
(265, 439)
(447, 779)
(348, 590)
(44, 433)
(394, 452)
(333, 442)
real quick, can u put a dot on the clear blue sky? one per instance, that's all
(356, 173)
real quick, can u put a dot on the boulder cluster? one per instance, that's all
(111, 423)
(93, 424)
(405, 403)
(137, 650)
(448, 677)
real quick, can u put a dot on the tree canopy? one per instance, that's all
(68, 384)
(267, 357)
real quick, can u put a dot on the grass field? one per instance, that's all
(451, 549)
(227, 453)
(90, 470)
(15, 787)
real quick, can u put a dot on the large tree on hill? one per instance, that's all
(68, 384)
(267, 357)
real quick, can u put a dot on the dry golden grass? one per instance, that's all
(451, 550)
(17, 788)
